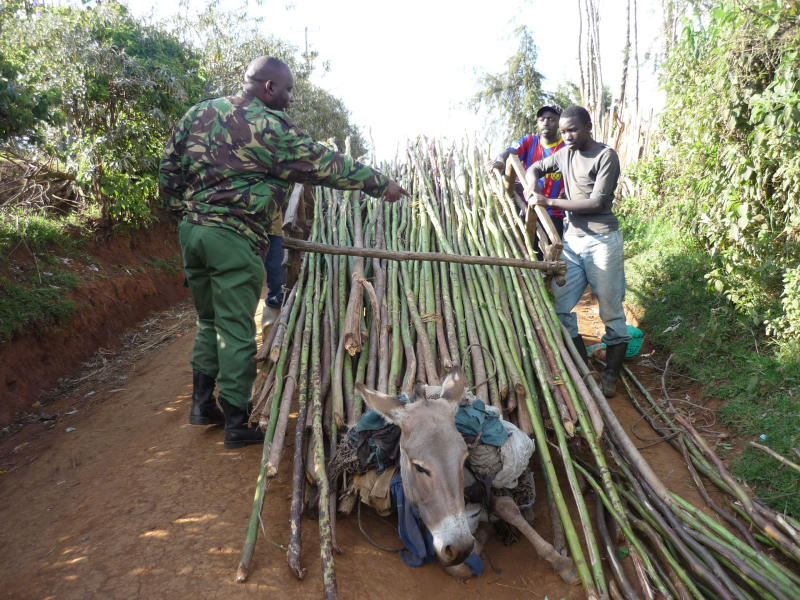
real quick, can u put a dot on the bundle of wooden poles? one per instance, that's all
(392, 322)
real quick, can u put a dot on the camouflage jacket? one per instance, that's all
(230, 162)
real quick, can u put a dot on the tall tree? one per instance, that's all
(589, 60)
(123, 85)
(516, 93)
(229, 38)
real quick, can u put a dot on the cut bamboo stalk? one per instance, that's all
(281, 326)
(294, 552)
(611, 553)
(775, 455)
(784, 542)
(352, 322)
(276, 449)
(326, 525)
(379, 333)
(514, 163)
(427, 354)
(441, 341)
(291, 216)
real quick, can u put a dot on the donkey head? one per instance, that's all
(432, 455)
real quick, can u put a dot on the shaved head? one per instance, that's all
(265, 68)
(270, 80)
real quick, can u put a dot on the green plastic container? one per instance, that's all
(636, 341)
(633, 346)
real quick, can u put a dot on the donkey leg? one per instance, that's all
(481, 536)
(505, 508)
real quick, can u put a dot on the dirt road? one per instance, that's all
(121, 498)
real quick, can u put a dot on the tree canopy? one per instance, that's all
(731, 162)
(515, 94)
(94, 92)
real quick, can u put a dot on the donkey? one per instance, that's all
(432, 458)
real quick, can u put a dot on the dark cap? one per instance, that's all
(551, 107)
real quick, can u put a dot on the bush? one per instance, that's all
(730, 174)
(123, 86)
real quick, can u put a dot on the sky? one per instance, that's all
(409, 68)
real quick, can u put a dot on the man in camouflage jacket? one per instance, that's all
(225, 174)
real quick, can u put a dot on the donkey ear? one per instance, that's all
(453, 385)
(390, 407)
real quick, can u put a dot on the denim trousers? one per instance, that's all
(273, 264)
(597, 260)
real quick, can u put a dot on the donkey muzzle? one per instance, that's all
(453, 540)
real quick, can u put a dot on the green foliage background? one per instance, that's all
(94, 93)
(123, 85)
(89, 95)
(729, 170)
(713, 230)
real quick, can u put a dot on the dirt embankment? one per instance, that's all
(129, 277)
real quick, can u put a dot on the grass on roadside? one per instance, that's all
(758, 382)
(32, 297)
(171, 265)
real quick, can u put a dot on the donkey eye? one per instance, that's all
(420, 469)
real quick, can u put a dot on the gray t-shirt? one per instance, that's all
(587, 174)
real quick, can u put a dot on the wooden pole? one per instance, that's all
(550, 266)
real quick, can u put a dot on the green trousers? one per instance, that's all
(225, 277)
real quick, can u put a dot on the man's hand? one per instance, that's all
(394, 192)
(537, 198)
(498, 164)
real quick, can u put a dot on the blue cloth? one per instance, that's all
(599, 261)
(474, 420)
(416, 537)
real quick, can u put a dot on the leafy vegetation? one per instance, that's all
(714, 227)
(89, 95)
(731, 123)
(721, 289)
(712, 343)
(123, 86)
(20, 106)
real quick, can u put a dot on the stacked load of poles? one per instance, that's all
(390, 323)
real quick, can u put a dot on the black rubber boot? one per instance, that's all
(581, 348)
(614, 356)
(238, 431)
(204, 406)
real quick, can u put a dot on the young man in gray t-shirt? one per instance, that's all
(592, 241)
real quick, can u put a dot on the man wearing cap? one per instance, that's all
(531, 148)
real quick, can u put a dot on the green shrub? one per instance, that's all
(123, 86)
(731, 128)
(35, 308)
